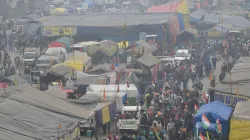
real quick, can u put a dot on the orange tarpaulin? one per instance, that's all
(166, 8)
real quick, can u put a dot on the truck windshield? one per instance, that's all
(29, 55)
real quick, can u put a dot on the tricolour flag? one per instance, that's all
(205, 121)
(201, 137)
(218, 126)
(196, 108)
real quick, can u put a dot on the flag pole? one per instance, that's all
(207, 135)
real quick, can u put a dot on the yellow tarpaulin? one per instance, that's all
(239, 130)
(123, 44)
(183, 8)
(105, 115)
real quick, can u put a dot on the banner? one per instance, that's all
(59, 31)
(229, 99)
(73, 135)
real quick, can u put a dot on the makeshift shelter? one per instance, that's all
(213, 111)
(76, 60)
(197, 15)
(29, 114)
(63, 42)
(181, 8)
(87, 79)
(93, 98)
(240, 122)
(59, 11)
(213, 19)
(239, 89)
(236, 21)
(111, 25)
(165, 8)
(204, 25)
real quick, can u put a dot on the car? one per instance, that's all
(182, 54)
(165, 60)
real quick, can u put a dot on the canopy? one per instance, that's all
(204, 25)
(213, 18)
(197, 15)
(236, 21)
(213, 111)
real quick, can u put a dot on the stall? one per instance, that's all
(213, 111)
(240, 122)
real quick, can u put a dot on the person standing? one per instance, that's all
(214, 61)
(8, 62)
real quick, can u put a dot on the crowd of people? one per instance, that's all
(170, 108)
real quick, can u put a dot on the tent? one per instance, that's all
(213, 111)
(240, 122)
(29, 114)
(79, 61)
(239, 80)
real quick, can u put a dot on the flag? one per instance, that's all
(204, 98)
(210, 77)
(218, 126)
(237, 91)
(205, 121)
(104, 94)
(201, 137)
(196, 108)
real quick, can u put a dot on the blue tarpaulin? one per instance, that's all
(213, 111)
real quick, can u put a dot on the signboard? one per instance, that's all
(229, 99)
(129, 124)
(59, 31)
(214, 33)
